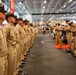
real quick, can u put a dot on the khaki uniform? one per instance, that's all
(17, 50)
(36, 32)
(3, 53)
(73, 30)
(25, 29)
(58, 33)
(21, 40)
(27, 36)
(69, 37)
(30, 36)
(11, 44)
(25, 41)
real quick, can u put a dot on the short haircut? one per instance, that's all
(67, 20)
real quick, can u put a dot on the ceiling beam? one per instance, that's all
(69, 6)
(48, 6)
(34, 6)
(54, 9)
(53, 13)
(27, 7)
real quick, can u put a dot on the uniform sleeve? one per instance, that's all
(75, 28)
(7, 31)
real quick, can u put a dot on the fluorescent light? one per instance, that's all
(26, 11)
(43, 6)
(64, 6)
(43, 10)
(23, 7)
(0, 1)
(20, 2)
(45, 1)
(70, 0)
(57, 11)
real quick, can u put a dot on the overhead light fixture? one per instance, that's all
(70, 0)
(23, 7)
(20, 2)
(26, 11)
(0, 1)
(57, 11)
(43, 6)
(43, 10)
(64, 6)
(72, 11)
(45, 1)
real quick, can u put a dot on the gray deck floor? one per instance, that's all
(44, 59)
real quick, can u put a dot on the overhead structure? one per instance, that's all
(44, 9)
